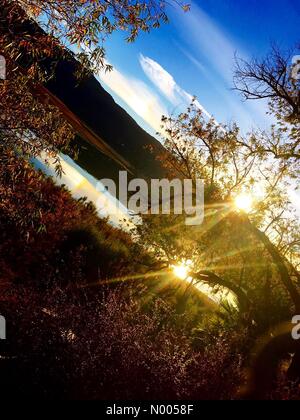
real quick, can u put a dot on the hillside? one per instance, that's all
(97, 110)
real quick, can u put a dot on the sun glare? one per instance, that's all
(180, 271)
(244, 202)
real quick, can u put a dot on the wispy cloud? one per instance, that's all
(238, 109)
(160, 77)
(212, 50)
(209, 39)
(167, 85)
(137, 95)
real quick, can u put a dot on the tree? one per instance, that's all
(83, 25)
(275, 78)
(252, 253)
(232, 248)
(34, 36)
(30, 125)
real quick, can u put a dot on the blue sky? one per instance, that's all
(193, 55)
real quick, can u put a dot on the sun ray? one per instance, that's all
(131, 277)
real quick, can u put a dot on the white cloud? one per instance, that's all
(166, 83)
(137, 95)
(160, 77)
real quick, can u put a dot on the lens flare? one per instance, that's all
(244, 202)
(181, 271)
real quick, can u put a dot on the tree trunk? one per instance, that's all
(213, 280)
(280, 263)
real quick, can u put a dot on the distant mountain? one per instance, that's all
(101, 121)
(110, 138)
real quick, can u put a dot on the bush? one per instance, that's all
(48, 237)
(82, 347)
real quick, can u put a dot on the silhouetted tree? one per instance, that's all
(276, 78)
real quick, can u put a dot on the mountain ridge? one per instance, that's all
(97, 110)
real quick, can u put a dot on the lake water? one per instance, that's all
(82, 184)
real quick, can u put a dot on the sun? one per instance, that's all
(182, 270)
(244, 202)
